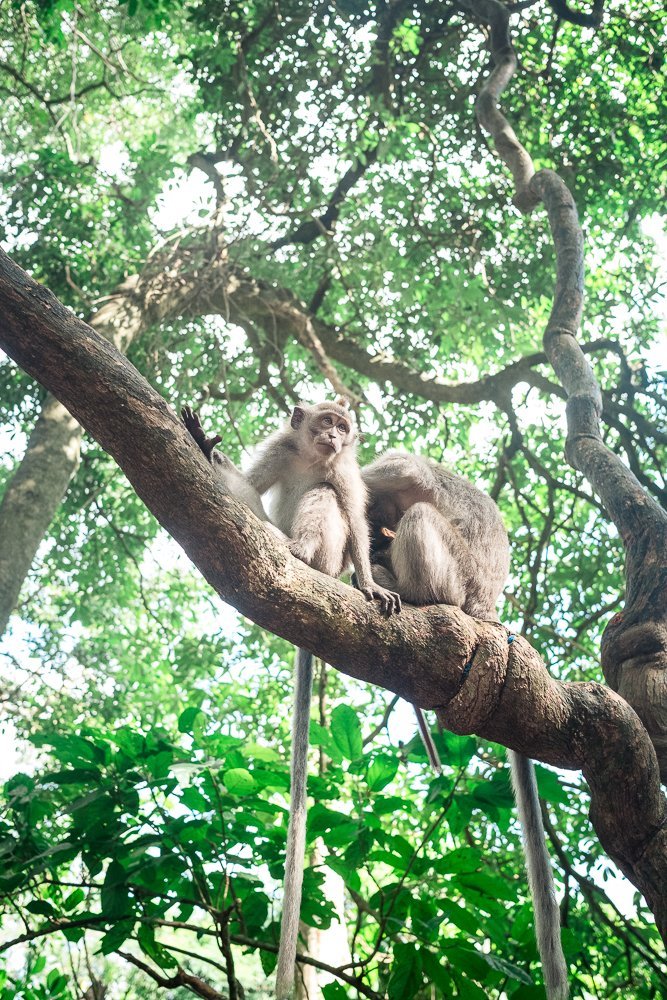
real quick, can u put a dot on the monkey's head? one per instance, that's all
(325, 428)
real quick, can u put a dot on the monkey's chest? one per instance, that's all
(292, 500)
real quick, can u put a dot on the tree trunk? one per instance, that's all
(33, 496)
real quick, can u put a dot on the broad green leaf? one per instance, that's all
(239, 781)
(116, 936)
(381, 772)
(346, 731)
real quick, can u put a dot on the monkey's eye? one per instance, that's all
(327, 421)
(342, 428)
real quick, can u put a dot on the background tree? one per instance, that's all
(355, 229)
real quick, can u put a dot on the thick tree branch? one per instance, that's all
(436, 657)
(40, 482)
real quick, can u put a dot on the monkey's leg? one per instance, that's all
(383, 577)
(429, 557)
(540, 878)
(296, 828)
(319, 531)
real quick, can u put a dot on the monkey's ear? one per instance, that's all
(298, 414)
(344, 402)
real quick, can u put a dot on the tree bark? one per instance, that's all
(438, 657)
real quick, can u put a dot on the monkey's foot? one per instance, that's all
(193, 425)
(390, 602)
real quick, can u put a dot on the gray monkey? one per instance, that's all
(317, 500)
(436, 538)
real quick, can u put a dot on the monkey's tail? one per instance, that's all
(296, 828)
(540, 878)
(427, 740)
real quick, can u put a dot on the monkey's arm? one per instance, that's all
(359, 548)
(269, 464)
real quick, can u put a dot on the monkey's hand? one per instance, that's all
(390, 602)
(193, 425)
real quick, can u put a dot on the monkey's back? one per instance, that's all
(397, 481)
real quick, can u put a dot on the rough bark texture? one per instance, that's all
(634, 647)
(437, 657)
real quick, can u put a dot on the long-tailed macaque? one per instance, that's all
(318, 500)
(437, 539)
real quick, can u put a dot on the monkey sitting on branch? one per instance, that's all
(437, 539)
(317, 500)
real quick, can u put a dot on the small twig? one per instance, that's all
(181, 978)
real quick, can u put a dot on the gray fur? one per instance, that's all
(451, 547)
(237, 484)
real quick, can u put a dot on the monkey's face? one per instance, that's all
(329, 433)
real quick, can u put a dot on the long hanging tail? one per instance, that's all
(427, 740)
(540, 878)
(296, 828)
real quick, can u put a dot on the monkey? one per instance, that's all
(437, 538)
(317, 499)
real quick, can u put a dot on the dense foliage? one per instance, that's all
(330, 152)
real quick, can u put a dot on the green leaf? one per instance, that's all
(152, 948)
(460, 860)
(115, 894)
(335, 990)
(507, 968)
(239, 781)
(381, 772)
(193, 721)
(55, 981)
(549, 786)
(116, 936)
(487, 885)
(406, 972)
(320, 736)
(346, 731)
(41, 908)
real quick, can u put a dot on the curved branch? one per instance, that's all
(592, 20)
(437, 657)
(634, 645)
